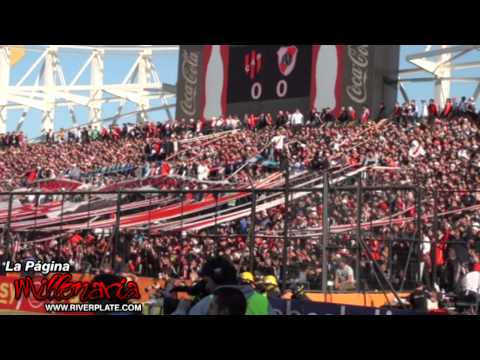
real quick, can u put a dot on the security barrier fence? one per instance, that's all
(308, 231)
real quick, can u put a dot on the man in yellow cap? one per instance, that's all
(247, 278)
(268, 286)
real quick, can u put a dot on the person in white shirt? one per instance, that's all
(216, 124)
(278, 143)
(463, 153)
(344, 279)
(229, 123)
(424, 109)
(202, 172)
(235, 123)
(297, 120)
(76, 133)
(469, 289)
(425, 247)
(470, 284)
(416, 150)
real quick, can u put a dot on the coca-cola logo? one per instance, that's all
(189, 73)
(357, 90)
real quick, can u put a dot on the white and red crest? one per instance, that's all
(287, 59)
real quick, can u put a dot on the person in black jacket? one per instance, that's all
(381, 112)
(470, 109)
(168, 148)
(397, 113)
(453, 271)
(280, 120)
(124, 131)
(147, 150)
(343, 118)
(262, 121)
(328, 116)
(419, 299)
(85, 137)
(315, 118)
(3, 258)
(319, 162)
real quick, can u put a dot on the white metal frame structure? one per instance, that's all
(50, 89)
(441, 63)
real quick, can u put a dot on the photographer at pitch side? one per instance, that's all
(219, 272)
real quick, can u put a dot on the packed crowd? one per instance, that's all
(425, 146)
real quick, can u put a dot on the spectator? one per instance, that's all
(315, 118)
(462, 107)
(344, 116)
(381, 112)
(268, 286)
(414, 110)
(344, 279)
(432, 110)
(279, 120)
(447, 110)
(352, 115)
(453, 271)
(470, 108)
(470, 283)
(424, 110)
(365, 115)
(397, 112)
(297, 121)
(453, 142)
(327, 117)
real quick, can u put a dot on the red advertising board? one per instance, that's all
(9, 304)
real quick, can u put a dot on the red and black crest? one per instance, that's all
(253, 64)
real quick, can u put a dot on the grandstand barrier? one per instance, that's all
(180, 214)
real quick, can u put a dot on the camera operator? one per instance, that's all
(227, 301)
(419, 299)
(298, 292)
(218, 272)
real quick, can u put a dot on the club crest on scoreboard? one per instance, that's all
(253, 64)
(287, 59)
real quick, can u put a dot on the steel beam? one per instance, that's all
(96, 80)
(48, 80)
(4, 82)
(443, 50)
(140, 85)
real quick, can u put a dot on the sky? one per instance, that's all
(117, 66)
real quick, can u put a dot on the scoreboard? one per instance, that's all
(263, 73)
(222, 80)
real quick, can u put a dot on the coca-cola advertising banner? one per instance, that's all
(370, 74)
(189, 80)
(219, 80)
